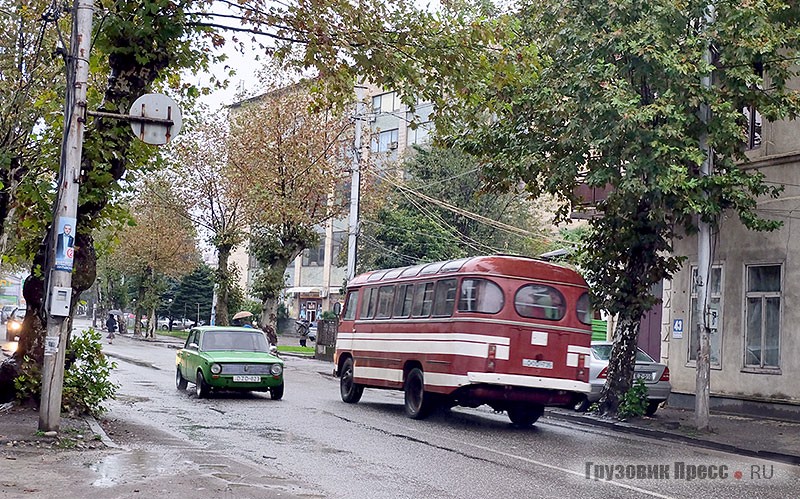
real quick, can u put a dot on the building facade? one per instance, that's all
(755, 336)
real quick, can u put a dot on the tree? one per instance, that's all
(617, 103)
(287, 159)
(439, 211)
(157, 247)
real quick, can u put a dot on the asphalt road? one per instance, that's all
(312, 444)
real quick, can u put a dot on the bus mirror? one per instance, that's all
(337, 308)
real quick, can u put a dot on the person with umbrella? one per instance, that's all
(242, 319)
(111, 326)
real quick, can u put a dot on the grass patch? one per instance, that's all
(296, 349)
(174, 333)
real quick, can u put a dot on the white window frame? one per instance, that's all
(761, 368)
(692, 312)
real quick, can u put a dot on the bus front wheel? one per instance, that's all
(419, 403)
(350, 390)
(525, 415)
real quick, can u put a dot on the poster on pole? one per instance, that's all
(64, 243)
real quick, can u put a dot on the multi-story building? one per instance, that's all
(316, 279)
(755, 335)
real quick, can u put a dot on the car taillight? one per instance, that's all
(665, 375)
(604, 373)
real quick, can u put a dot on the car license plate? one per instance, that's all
(643, 376)
(247, 379)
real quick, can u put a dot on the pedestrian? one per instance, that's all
(111, 326)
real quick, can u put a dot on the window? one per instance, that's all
(538, 301)
(762, 316)
(444, 298)
(350, 306)
(369, 303)
(753, 120)
(385, 141)
(315, 257)
(385, 103)
(423, 300)
(715, 309)
(480, 295)
(584, 309)
(402, 304)
(385, 298)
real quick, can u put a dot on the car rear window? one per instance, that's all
(603, 352)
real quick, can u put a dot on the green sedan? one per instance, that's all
(229, 358)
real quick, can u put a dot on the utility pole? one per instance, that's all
(355, 188)
(705, 258)
(60, 263)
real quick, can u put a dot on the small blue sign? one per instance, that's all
(677, 328)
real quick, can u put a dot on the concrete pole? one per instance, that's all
(705, 258)
(67, 199)
(355, 190)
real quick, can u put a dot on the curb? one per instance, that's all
(130, 360)
(98, 430)
(675, 437)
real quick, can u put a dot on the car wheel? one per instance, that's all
(180, 381)
(419, 403)
(350, 390)
(652, 407)
(525, 415)
(200, 386)
(276, 392)
(582, 404)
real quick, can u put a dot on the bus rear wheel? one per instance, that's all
(525, 415)
(419, 403)
(350, 390)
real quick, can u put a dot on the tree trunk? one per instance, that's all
(223, 285)
(620, 364)
(268, 322)
(137, 324)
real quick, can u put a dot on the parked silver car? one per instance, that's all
(654, 374)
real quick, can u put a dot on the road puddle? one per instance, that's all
(134, 465)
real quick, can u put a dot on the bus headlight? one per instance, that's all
(276, 369)
(216, 368)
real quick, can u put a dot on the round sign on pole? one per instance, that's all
(155, 119)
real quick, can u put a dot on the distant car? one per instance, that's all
(654, 374)
(5, 312)
(14, 323)
(163, 323)
(229, 358)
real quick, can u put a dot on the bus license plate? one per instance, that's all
(540, 364)
(247, 379)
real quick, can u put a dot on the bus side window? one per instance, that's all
(480, 295)
(369, 303)
(444, 298)
(540, 302)
(423, 299)
(402, 300)
(350, 306)
(385, 299)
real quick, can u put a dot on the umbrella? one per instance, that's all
(115, 312)
(242, 315)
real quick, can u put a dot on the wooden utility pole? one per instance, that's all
(59, 277)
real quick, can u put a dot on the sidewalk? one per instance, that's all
(762, 438)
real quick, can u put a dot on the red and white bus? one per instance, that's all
(510, 332)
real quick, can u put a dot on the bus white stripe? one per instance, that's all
(577, 349)
(480, 350)
(378, 373)
(479, 338)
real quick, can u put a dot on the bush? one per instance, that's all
(634, 403)
(86, 379)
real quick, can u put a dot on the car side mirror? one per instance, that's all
(194, 345)
(273, 350)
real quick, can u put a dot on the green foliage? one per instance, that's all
(282, 311)
(634, 402)
(87, 383)
(328, 315)
(441, 211)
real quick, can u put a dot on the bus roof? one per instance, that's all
(506, 265)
